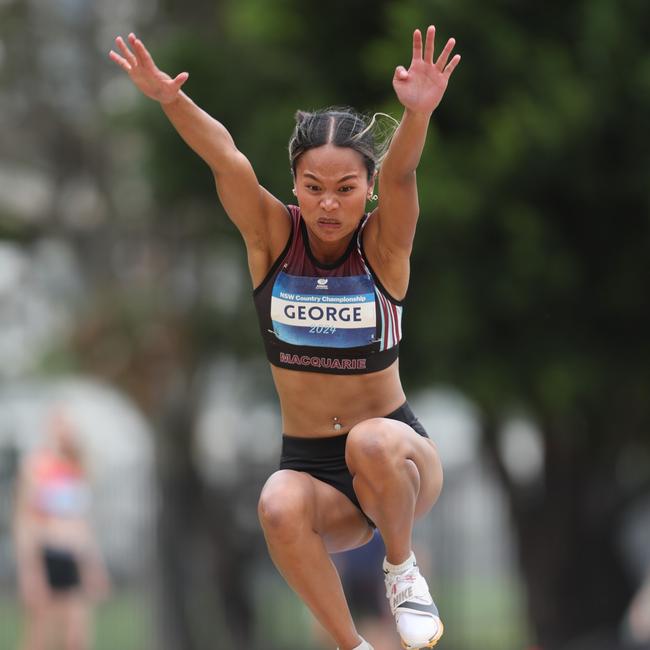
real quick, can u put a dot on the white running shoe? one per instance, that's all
(416, 615)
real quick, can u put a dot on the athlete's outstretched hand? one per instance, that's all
(137, 61)
(421, 87)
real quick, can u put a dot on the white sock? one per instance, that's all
(399, 568)
(364, 645)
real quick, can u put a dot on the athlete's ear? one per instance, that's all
(371, 184)
(371, 196)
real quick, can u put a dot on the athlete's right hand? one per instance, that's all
(144, 73)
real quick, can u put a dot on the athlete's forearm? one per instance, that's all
(406, 146)
(206, 136)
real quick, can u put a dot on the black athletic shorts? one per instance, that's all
(324, 458)
(61, 569)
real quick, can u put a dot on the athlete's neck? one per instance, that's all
(328, 252)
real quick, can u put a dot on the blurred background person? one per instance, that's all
(60, 569)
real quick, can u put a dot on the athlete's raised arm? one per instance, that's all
(249, 206)
(419, 90)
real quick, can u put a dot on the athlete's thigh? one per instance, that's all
(398, 439)
(339, 522)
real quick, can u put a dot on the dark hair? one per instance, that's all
(342, 127)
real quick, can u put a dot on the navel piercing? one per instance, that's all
(337, 424)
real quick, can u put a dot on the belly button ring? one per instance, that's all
(337, 424)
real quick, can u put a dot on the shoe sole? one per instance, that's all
(431, 642)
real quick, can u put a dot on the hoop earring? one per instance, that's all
(372, 197)
(294, 192)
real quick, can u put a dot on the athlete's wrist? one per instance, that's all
(421, 116)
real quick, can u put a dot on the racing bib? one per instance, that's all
(324, 312)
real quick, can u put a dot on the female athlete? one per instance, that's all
(329, 279)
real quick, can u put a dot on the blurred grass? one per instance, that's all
(282, 621)
(122, 623)
(484, 612)
(480, 612)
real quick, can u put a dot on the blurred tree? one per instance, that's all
(532, 258)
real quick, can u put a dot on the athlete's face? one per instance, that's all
(332, 189)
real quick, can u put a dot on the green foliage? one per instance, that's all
(122, 622)
(532, 278)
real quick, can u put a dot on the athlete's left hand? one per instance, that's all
(421, 87)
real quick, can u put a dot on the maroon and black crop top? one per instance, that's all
(333, 318)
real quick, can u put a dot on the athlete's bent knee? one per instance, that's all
(284, 504)
(372, 442)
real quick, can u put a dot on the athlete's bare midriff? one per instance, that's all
(313, 403)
